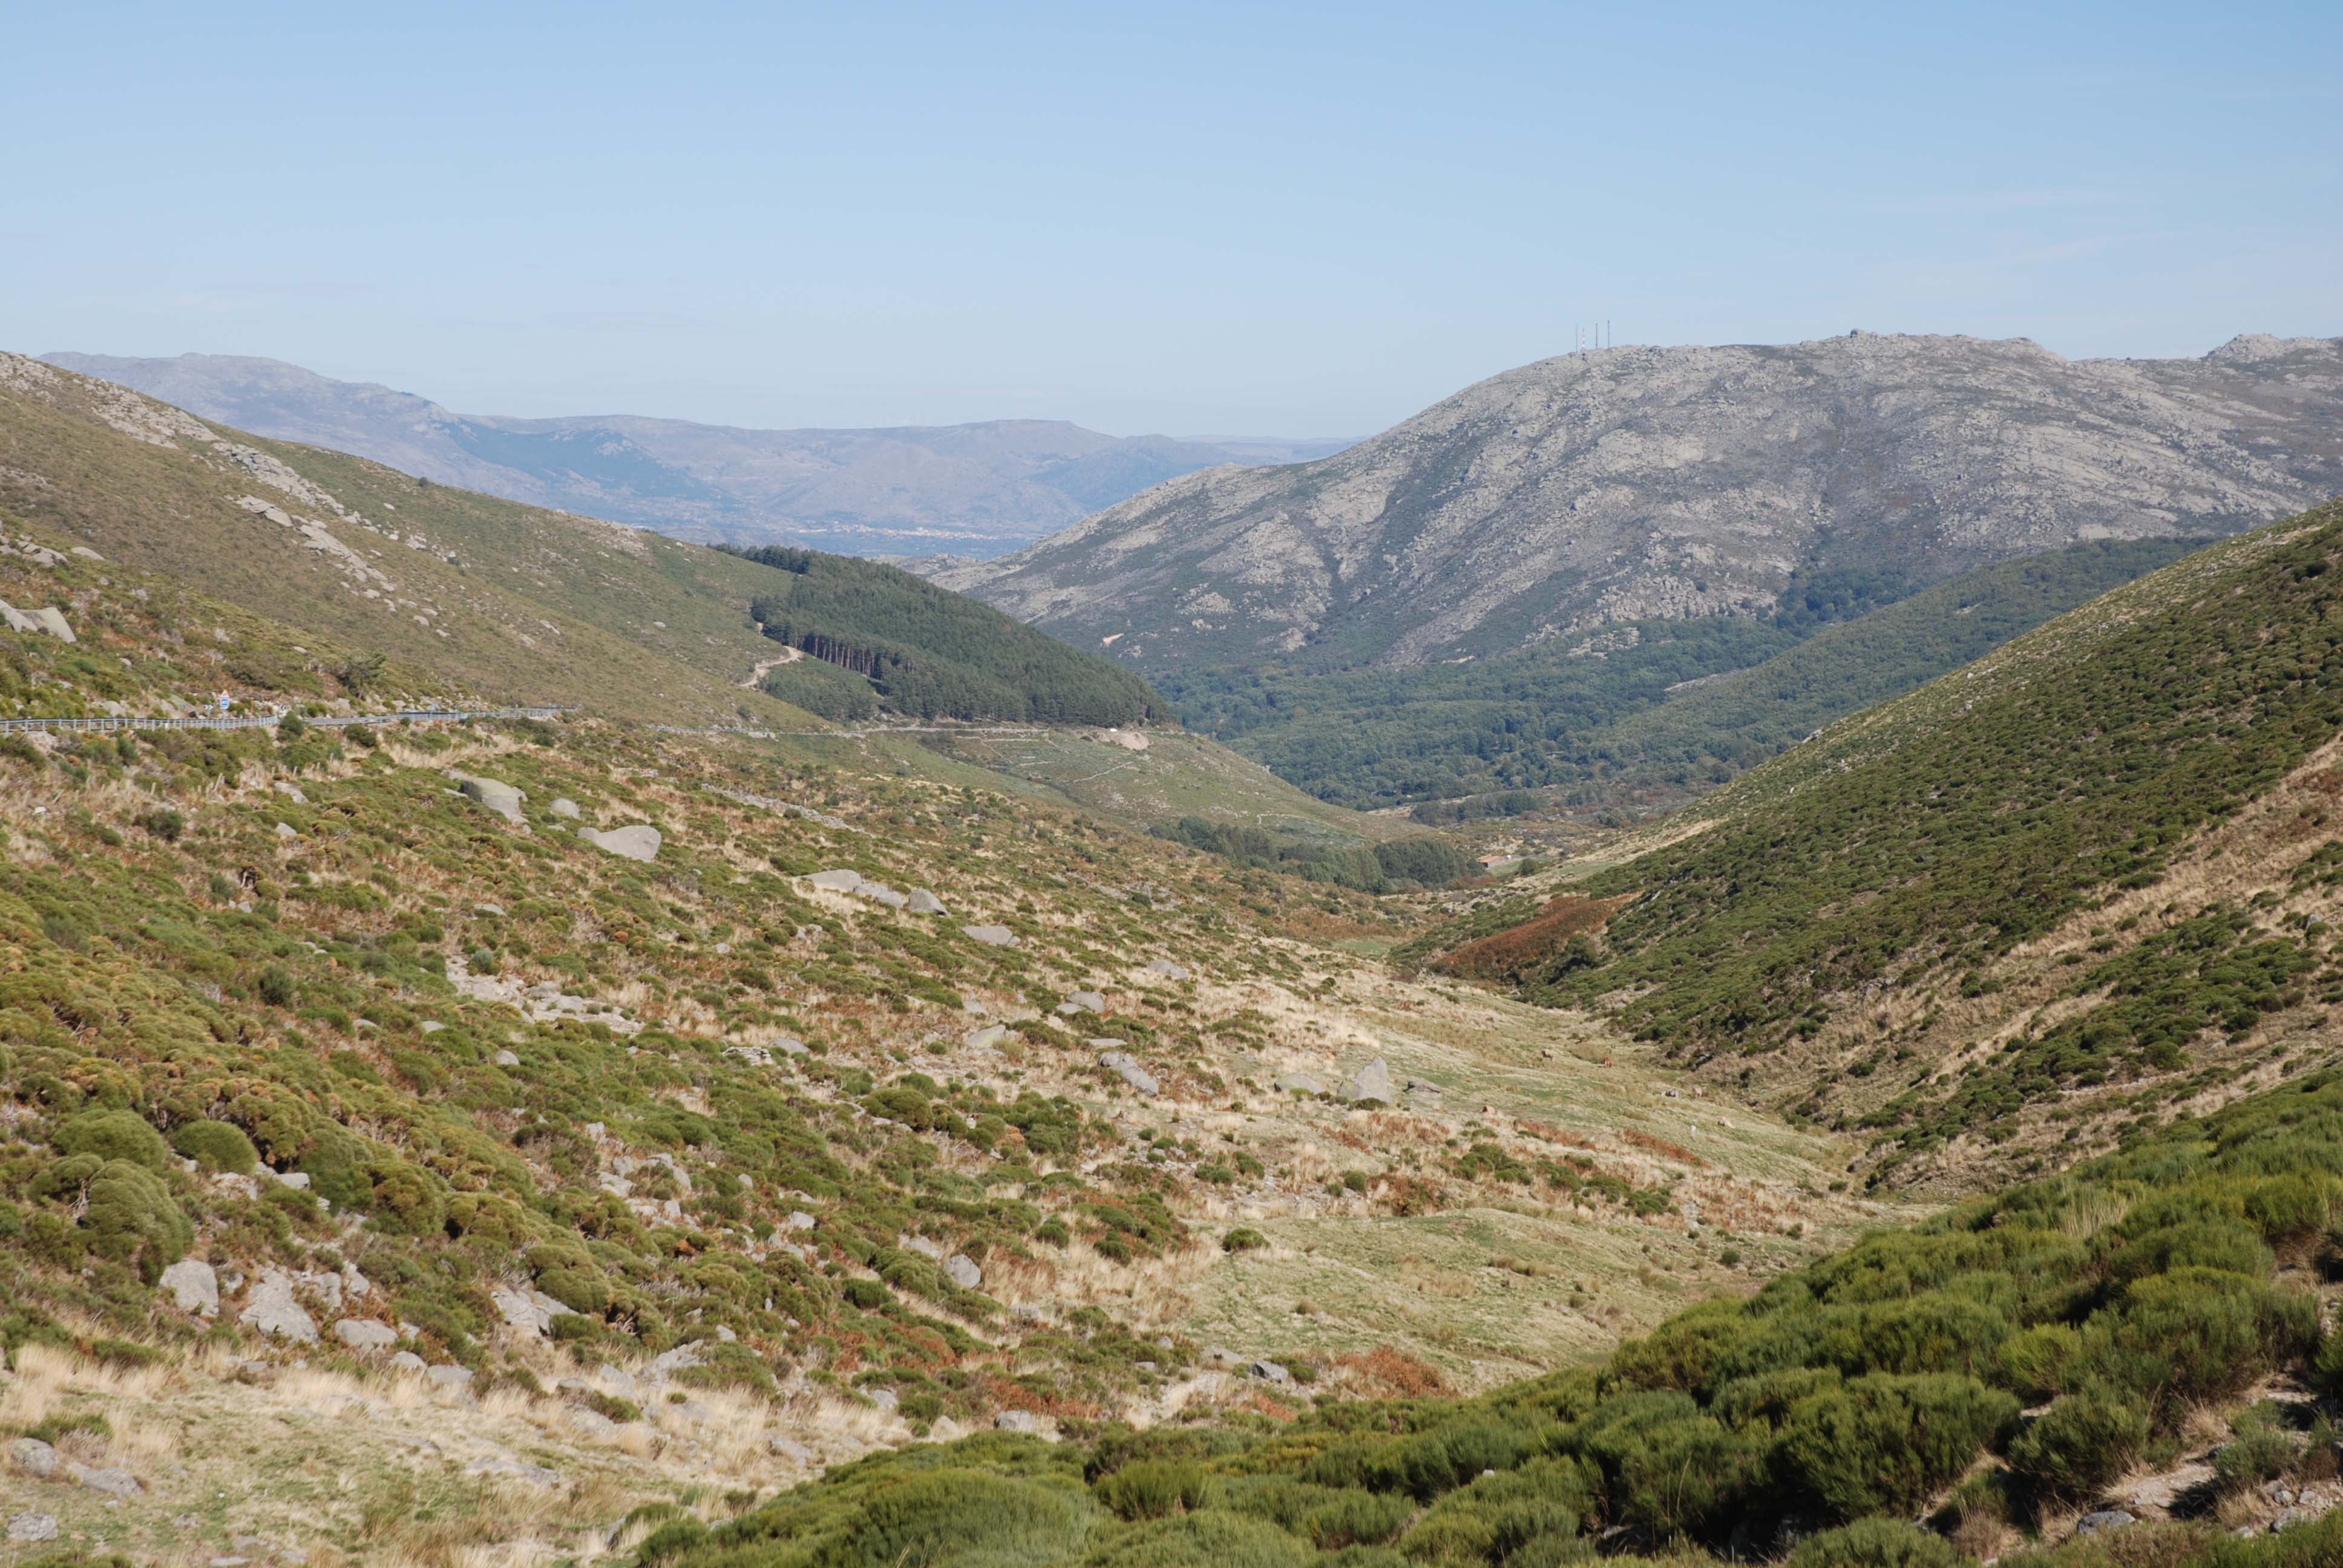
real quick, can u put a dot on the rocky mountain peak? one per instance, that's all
(1633, 483)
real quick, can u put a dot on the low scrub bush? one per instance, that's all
(215, 1146)
(2083, 1442)
(1875, 1544)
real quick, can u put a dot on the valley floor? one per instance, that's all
(1437, 1271)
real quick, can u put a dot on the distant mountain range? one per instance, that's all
(1632, 485)
(965, 491)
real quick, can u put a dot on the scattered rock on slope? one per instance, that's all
(365, 1334)
(194, 1286)
(492, 794)
(28, 1529)
(1373, 1081)
(271, 1310)
(1125, 1066)
(636, 841)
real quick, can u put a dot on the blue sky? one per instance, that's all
(1296, 220)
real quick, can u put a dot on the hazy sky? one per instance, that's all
(1260, 219)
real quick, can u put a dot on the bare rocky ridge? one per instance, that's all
(1588, 491)
(975, 489)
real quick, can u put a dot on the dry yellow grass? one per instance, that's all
(385, 1470)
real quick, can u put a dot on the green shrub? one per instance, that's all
(1158, 1489)
(1491, 1518)
(1882, 1444)
(277, 987)
(2260, 1450)
(1329, 1517)
(163, 822)
(2223, 1243)
(1216, 1539)
(2290, 1211)
(113, 1135)
(1875, 1544)
(609, 1406)
(215, 1146)
(2327, 1368)
(1667, 1466)
(405, 1198)
(949, 1514)
(581, 1290)
(1930, 1333)
(2084, 1440)
(2202, 1334)
(868, 1294)
(131, 1219)
(1430, 1462)
(728, 1364)
(1243, 1239)
(577, 1328)
(2039, 1364)
(1685, 1351)
(116, 1352)
(67, 1179)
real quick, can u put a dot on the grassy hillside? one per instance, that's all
(1172, 776)
(1644, 715)
(878, 634)
(626, 1174)
(1704, 735)
(705, 1172)
(513, 601)
(2138, 1306)
(2076, 886)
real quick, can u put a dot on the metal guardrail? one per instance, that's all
(755, 732)
(107, 722)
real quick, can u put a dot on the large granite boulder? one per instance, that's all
(271, 1310)
(194, 1286)
(1125, 1066)
(365, 1334)
(492, 795)
(635, 842)
(1373, 1081)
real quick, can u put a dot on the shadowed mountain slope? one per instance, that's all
(1663, 710)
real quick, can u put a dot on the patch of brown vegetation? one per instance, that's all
(1550, 1133)
(1511, 953)
(1393, 1373)
(1405, 1195)
(1663, 1148)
